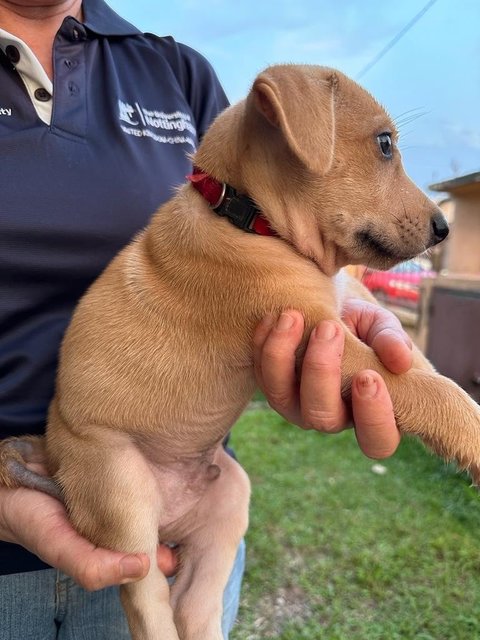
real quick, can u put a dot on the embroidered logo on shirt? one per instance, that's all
(167, 128)
(126, 112)
(5, 111)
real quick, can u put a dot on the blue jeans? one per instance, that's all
(48, 605)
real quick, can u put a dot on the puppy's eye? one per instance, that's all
(385, 143)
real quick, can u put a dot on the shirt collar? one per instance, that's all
(102, 20)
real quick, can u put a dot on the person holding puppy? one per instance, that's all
(96, 123)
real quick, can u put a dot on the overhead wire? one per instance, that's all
(394, 40)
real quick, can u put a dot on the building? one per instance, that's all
(449, 327)
(463, 253)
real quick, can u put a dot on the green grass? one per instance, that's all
(336, 552)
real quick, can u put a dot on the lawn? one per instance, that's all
(339, 552)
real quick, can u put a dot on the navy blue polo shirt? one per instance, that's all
(78, 183)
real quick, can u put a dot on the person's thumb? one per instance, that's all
(40, 524)
(95, 568)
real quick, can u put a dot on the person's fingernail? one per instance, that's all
(326, 330)
(131, 567)
(285, 322)
(367, 386)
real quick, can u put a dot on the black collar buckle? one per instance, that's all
(240, 210)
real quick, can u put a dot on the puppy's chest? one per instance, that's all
(340, 289)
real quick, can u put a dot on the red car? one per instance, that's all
(400, 285)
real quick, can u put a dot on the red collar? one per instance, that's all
(225, 201)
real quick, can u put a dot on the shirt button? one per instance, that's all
(73, 89)
(42, 95)
(78, 33)
(13, 54)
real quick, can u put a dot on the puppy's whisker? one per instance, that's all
(407, 133)
(397, 218)
(410, 116)
(404, 113)
(367, 266)
(426, 198)
(409, 147)
(407, 120)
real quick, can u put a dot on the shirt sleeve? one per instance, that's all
(198, 80)
(204, 91)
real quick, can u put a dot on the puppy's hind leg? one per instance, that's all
(208, 551)
(114, 501)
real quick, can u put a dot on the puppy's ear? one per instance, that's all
(300, 101)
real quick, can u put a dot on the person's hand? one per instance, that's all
(40, 524)
(314, 401)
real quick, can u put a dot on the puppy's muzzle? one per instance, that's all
(439, 228)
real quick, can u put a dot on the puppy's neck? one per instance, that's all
(309, 240)
(220, 152)
(238, 150)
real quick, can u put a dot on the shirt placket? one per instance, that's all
(70, 79)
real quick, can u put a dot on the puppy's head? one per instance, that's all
(320, 157)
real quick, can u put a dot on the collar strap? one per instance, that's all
(226, 202)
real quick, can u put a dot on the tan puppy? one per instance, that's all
(157, 363)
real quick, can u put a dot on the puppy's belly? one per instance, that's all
(182, 480)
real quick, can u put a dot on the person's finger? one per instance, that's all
(274, 355)
(375, 427)
(382, 331)
(40, 524)
(389, 343)
(322, 407)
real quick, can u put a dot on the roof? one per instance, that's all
(455, 183)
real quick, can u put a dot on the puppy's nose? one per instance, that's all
(439, 228)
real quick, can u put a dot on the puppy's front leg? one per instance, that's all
(425, 404)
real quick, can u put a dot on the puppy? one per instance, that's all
(157, 363)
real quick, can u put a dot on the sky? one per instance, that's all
(429, 81)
